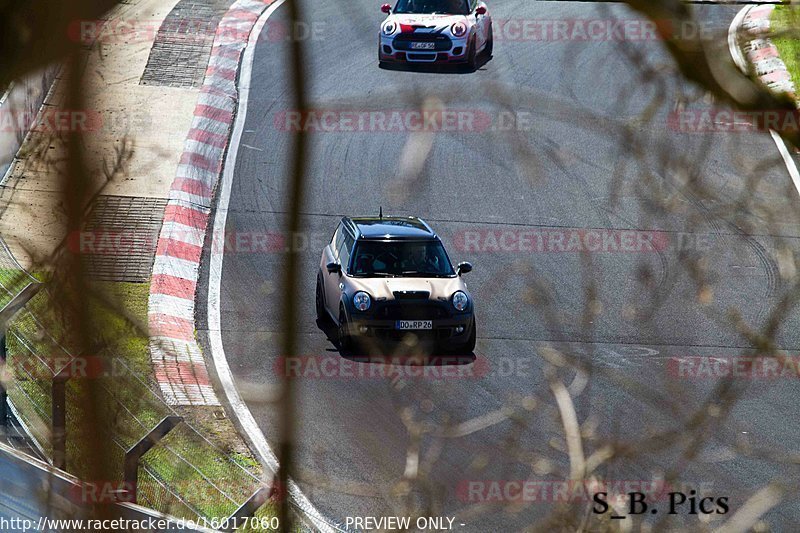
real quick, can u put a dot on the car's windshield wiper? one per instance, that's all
(419, 273)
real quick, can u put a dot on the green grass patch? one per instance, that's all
(12, 281)
(203, 460)
(785, 26)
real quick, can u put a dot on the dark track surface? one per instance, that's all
(578, 173)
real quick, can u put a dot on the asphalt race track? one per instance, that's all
(594, 148)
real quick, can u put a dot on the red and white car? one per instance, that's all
(435, 31)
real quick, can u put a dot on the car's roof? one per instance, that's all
(389, 227)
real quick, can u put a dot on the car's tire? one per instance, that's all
(472, 55)
(469, 346)
(489, 49)
(319, 300)
(345, 341)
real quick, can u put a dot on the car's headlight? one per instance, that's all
(459, 29)
(362, 301)
(389, 27)
(460, 300)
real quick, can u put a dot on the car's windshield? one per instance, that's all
(401, 258)
(448, 7)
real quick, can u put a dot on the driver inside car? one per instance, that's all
(419, 260)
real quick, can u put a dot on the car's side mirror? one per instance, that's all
(386, 8)
(334, 268)
(481, 10)
(463, 268)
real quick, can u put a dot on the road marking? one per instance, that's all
(239, 408)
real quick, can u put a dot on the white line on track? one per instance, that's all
(238, 406)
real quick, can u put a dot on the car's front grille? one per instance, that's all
(441, 42)
(422, 57)
(409, 311)
(411, 295)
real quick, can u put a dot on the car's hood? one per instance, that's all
(412, 23)
(438, 288)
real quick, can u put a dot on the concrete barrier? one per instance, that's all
(18, 108)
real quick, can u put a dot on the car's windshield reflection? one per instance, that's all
(401, 258)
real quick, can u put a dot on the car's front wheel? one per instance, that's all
(469, 346)
(344, 338)
(320, 301)
(472, 55)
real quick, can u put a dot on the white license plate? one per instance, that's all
(423, 46)
(413, 324)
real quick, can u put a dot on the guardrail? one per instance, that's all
(161, 461)
(25, 483)
(17, 287)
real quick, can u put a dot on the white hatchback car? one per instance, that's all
(435, 31)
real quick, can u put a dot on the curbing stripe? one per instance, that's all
(200, 161)
(204, 201)
(171, 327)
(208, 138)
(223, 62)
(225, 52)
(775, 76)
(214, 113)
(184, 214)
(196, 173)
(172, 304)
(175, 349)
(181, 371)
(763, 53)
(172, 248)
(214, 105)
(166, 285)
(197, 147)
(210, 125)
(176, 267)
(224, 73)
(179, 250)
(189, 394)
(182, 232)
(192, 186)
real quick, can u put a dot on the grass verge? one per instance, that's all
(202, 468)
(785, 27)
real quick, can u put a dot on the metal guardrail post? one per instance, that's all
(249, 508)
(135, 452)
(59, 424)
(16, 303)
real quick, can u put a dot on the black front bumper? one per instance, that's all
(380, 322)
